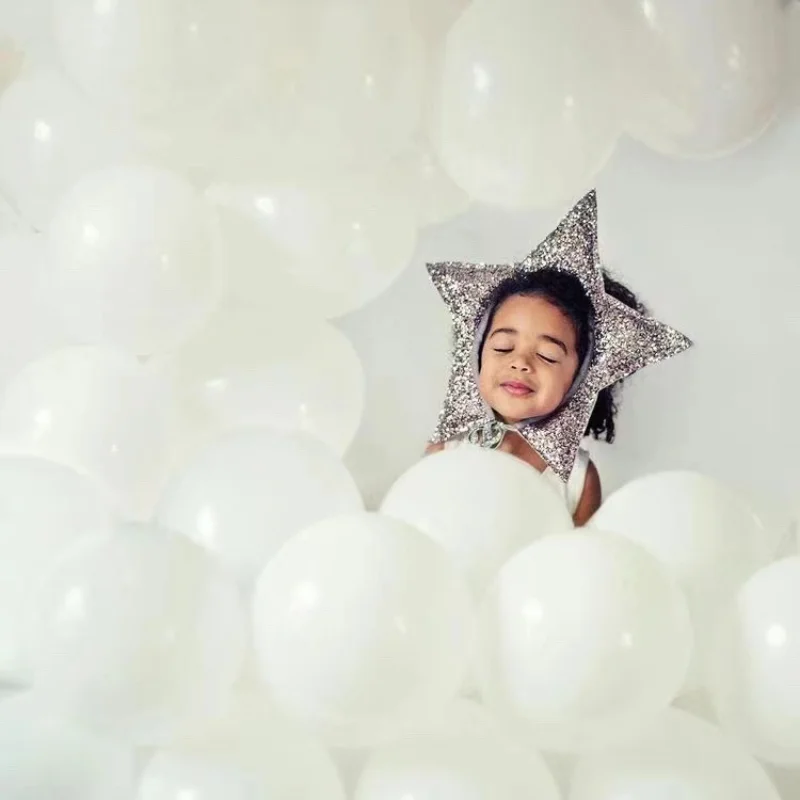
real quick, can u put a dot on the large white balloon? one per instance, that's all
(44, 509)
(530, 107)
(147, 56)
(44, 757)
(700, 530)
(463, 756)
(755, 662)
(248, 367)
(26, 318)
(583, 636)
(679, 757)
(334, 246)
(251, 752)
(49, 136)
(100, 412)
(250, 490)
(136, 260)
(362, 628)
(481, 506)
(139, 633)
(710, 75)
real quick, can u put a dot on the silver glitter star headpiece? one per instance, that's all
(625, 341)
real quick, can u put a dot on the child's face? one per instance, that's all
(529, 358)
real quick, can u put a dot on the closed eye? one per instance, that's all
(548, 360)
(502, 349)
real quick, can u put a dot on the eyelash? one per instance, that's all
(544, 358)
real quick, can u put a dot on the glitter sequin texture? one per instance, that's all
(625, 340)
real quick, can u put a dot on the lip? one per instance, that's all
(516, 388)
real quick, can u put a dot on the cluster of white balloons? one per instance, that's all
(187, 569)
(453, 637)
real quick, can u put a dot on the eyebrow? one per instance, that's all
(546, 337)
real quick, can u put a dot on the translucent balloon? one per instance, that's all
(25, 314)
(481, 506)
(433, 17)
(679, 757)
(337, 246)
(50, 135)
(43, 757)
(583, 637)
(149, 57)
(252, 752)
(700, 530)
(28, 25)
(100, 412)
(463, 756)
(755, 662)
(249, 491)
(710, 76)
(44, 509)
(136, 259)
(362, 628)
(248, 367)
(137, 632)
(530, 107)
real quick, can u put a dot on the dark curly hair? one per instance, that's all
(564, 291)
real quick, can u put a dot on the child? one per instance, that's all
(533, 345)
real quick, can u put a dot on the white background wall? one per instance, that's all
(713, 248)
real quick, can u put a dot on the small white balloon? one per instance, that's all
(250, 752)
(583, 637)
(464, 756)
(149, 57)
(252, 368)
(700, 530)
(362, 629)
(481, 506)
(530, 105)
(678, 757)
(50, 135)
(248, 491)
(99, 412)
(44, 510)
(710, 76)
(337, 246)
(755, 661)
(139, 633)
(44, 756)
(136, 260)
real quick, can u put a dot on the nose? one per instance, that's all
(520, 365)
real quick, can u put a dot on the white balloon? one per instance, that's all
(28, 26)
(250, 753)
(136, 259)
(710, 76)
(44, 509)
(252, 368)
(26, 317)
(250, 490)
(50, 135)
(530, 107)
(150, 57)
(583, 637)
(44, 757)
(362, 628)
(100, 412)
(434, 17)
(755, 661)
(481, 506)
(464, 756)
(700, 530)
(336, 246)
(679, 757)
(139, 633)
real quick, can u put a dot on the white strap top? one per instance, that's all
(571, 491)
